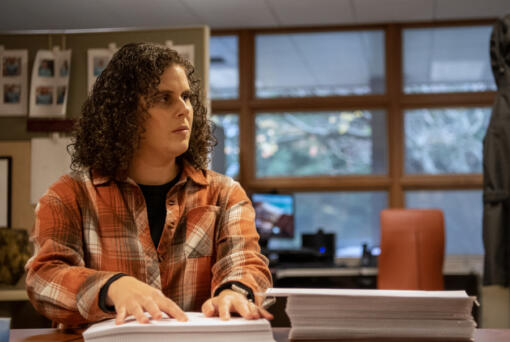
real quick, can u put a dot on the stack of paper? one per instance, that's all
(197, 328)
(339, 313)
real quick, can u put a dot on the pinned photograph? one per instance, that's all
(11, 66)
(13, 82)
(100, 63)
(64, 68)
(12, 93)
(97, 60)
(44, 95)
(50, 83)
(61, 95)
(46, 68)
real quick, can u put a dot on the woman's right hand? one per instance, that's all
(130, 296)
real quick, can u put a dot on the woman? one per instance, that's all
(141, 225)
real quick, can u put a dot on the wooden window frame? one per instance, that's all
(394, 102)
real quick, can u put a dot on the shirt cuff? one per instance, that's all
(104, 291)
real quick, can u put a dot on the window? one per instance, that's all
(322, 143)
(462, 210)
(445, 140)
(224, 68)
(320, 64)
(447, 59)
(319, 117)
(225, 156)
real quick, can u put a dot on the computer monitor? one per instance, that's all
(274, 215)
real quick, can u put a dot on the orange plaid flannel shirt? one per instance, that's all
(89, 228)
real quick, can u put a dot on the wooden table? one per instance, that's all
(280, 335)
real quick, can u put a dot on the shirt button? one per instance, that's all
(171, 202)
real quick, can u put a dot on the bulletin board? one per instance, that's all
(79, 41)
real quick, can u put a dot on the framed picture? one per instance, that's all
(5, 191)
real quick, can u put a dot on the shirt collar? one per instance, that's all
(196, 175)
(98, 179)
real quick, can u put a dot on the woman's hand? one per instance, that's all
(130, 296)
(230, 301)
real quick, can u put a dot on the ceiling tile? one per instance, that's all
(64, 14)
(233, 13)
(463, 9)
(312, 12)
(373, 11)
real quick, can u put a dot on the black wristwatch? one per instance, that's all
(236, 287)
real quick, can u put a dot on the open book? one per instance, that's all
(197, 328)
(345, 313)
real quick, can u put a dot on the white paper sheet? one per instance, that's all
(4, 192)
(197, 328)
(284, 292)
(49, 161)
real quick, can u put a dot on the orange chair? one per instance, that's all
(412, 249)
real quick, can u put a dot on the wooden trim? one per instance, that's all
(246, 126)
(225, 106)
(449, 23)
(50, 125)
(358, 27)
(324, 183)
(448, 100)
(317, 29)
(447, 181)
(320, 103)
(395, 120)
(226, 32)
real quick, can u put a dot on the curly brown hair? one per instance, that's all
(113, 117)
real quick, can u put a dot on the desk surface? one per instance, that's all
(280, 335)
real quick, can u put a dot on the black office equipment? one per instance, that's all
(323, 244)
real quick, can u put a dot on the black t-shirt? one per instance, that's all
(155, 199)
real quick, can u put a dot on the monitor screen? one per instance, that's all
(274, 215)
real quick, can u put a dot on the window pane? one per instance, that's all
(319, 64)
(447, 59)
(225, 156)
(224, 68)
(462, 211)
(324, 143)
(445, 140)
(352, 216)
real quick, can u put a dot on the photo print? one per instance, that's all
(97, 60)
(46, 68)
(11, 66)
(61, 94)
(64, 68)
(44, 95)
(100, 63)
(12, 93)
(13, 82)
(50, 82)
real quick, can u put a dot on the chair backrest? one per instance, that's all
(412, 249)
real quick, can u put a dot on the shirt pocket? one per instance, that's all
(200, 225)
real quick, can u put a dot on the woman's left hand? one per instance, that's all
(230, 301)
